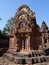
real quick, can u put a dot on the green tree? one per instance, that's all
(8, 25)
(3, 35)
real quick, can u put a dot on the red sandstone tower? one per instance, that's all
(25, 35)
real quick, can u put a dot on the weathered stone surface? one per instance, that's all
(22, 35)
(26, 35)
(20, 58)
(5, 61)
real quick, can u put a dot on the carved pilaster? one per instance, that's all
(27, 47)
(11, 44)
(42, 39)
(16, 44)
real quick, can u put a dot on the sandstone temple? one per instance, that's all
(27, 37)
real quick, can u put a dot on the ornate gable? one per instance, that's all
(24, 19)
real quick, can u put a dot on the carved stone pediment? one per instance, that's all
(24, 19)
(23, 26)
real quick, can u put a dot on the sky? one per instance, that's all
(8, 9)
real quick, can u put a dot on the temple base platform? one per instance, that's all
(26, 57)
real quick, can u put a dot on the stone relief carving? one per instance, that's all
(25, 19)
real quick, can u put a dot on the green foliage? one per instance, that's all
(8, 25)
(3, 35)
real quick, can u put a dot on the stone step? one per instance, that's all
(26, 60)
